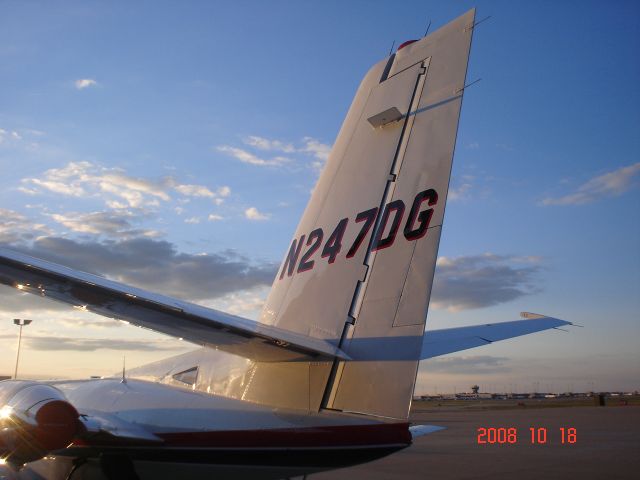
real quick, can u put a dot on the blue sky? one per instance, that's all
(136, 137)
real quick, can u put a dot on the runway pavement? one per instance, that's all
(607, 445)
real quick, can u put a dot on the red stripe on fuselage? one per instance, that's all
(320, 436)
(344, 435)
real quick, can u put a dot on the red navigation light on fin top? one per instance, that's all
(404, 44)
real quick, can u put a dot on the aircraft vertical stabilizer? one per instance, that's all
(360, 265)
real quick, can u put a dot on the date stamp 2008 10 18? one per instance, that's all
(535, 436)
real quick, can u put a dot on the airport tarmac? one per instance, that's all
(607, 446)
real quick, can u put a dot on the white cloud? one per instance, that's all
(214, 217)
(202, 191)
(15, 227)
(83, 83)
(459, 193)
(252, 213)
(59, 187)
(246, 303)
(247, 157)
(318, 151)
(25, 140)
(194, 191)
(114, 224)
(267, 144)
(119, 182)
(224, 191)
(610, 184)
(116, 205)
(83, 179)
(192, 220)
(68, 180)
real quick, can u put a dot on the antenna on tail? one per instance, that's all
(428, 27)
(124, 379)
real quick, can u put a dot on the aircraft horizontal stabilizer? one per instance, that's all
(449, 340)
(420, 430)
(188, 321)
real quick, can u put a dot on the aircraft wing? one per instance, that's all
(449, 340)
(191, 322)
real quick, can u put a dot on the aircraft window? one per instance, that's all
(188, 377)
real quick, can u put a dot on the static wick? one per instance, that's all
(468, 85)
(474, 25)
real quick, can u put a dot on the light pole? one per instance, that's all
(20, 323)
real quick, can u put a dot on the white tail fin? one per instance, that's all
(360, 267)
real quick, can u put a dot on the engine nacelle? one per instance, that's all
(35, 419)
